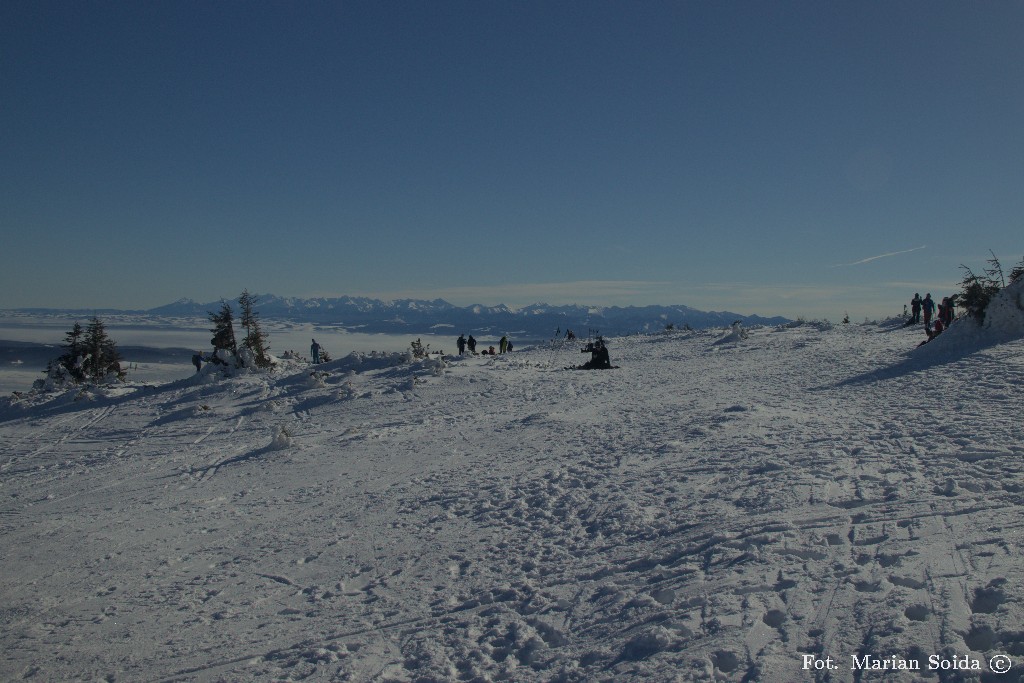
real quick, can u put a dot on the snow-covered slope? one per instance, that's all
(804, 496)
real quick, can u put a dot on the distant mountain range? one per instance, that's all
(415, 315)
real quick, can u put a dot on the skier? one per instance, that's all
(472, 344)
(197, 360)
(461, 343)
(314, 350)
(503, 343)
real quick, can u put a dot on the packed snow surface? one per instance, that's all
(758, 507)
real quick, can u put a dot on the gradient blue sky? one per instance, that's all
(793, 158)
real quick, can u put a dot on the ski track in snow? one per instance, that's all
(705, 512)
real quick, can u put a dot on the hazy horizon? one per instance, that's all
(793, 303)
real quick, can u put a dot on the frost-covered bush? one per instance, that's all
(345, 392)
(419, 349)
(735, 334)
(316, 380)
(57, 378)
(282, 440)
(436, 365)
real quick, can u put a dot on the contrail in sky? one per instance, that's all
(875, 258)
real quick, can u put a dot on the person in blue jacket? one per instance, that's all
(928, 306)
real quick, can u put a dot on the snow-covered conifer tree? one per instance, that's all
(978, 290)
(255, 338)
(1017, 272)
(74, 345)
(103, 356)
(223, 328)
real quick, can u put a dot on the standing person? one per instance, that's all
(915, 307)
(928, 306)
(472, 344)
(314, 350)
(947, 307)
(503, 343)
(461, 343)
(197, 360)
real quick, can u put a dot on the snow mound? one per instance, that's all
(734, 336)
(1004, 316)
(1004, 321)
(282, 440)
(368, 361)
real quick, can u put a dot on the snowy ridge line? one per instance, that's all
(411, 315)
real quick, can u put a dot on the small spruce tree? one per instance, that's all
(1018, 272)
(255, 338)
(419, 349)
(103, 355)
(223, 328)
(89, 354)
(977, 290)
(74, 345)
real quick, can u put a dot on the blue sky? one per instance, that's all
(792, 158)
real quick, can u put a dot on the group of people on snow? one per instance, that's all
(928, 309)
(504, 345)
(927, 306)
